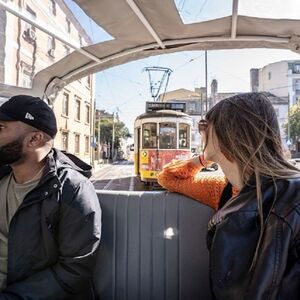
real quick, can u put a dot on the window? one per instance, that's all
(52, 7)
(64, 141)
(68, 25)
(269, 75)
(31, 12)
(297, 85)
(297, 68)
(77, 143)
(29, 30)
(149, 136)
(51, 46)
(77, 108)
(87, 144)
(184, 136)
(67, 50)
(167, 136)
(65, 104)
(88, 81)
(87, 114)
(26, 79)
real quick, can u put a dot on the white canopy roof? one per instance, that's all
(142, 28)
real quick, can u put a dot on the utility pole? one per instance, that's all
(113, 137)
(99, 142)
(289, 125)
(92, 134)
(201, 104)
(206, 98)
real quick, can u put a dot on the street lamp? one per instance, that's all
(113, 137)
(99, 142)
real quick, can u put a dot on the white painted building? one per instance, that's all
(281, 79)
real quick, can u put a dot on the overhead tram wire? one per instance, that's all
(191, 60)
(109, 88)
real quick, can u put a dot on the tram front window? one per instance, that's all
(149, 136)
(184, 138)
(167, 136)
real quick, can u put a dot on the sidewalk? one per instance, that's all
(100, 166)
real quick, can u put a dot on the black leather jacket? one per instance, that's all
(232, 239)
(54, 235)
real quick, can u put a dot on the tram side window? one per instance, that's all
(149, 136)
(167, 136)
(184, 136)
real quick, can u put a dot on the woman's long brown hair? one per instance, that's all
(247, 130)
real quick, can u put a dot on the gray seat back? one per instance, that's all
(153, 247)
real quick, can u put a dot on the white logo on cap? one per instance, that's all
(29, 116)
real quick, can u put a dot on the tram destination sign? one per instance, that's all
(154, 106)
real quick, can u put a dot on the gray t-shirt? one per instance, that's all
(11, 196)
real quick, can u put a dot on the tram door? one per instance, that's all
(137, 147)
(138, 150)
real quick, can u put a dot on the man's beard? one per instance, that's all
(11, 152)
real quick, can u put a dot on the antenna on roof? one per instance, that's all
(155, 86)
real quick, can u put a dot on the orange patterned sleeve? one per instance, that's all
(184, 177)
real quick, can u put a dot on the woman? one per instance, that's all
(254, 237)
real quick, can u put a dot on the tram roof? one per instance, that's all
(142, 28)
(164, 113)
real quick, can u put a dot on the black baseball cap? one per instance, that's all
(30, 110)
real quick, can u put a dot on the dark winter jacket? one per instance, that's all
(233, 237)
(54, 235)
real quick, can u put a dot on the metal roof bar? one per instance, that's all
(234, 17)
(10, 8)
(174, 43)
(148, 26)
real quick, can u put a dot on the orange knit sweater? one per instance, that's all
(184, 177)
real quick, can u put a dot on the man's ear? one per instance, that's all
(34, 139)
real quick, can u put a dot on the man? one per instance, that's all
(50, 218)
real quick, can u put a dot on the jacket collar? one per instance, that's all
(56, 160)
(50, 182)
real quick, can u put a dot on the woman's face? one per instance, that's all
(212, 150)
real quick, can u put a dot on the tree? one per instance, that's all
(294, 122)
(106, 129)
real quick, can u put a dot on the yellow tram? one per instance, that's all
(159, 137)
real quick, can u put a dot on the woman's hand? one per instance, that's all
(184, 168)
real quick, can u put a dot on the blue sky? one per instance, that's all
(125, 89)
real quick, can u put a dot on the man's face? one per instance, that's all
(11, 143)
(11, 152)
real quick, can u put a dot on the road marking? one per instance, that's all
(115, 174)
(108, 184)
(131, 186)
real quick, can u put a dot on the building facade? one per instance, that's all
(26, 50)
(280, 78)
(215, 96)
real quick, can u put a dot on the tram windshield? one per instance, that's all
(184, 136)
(149, 136)
(167, 136)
